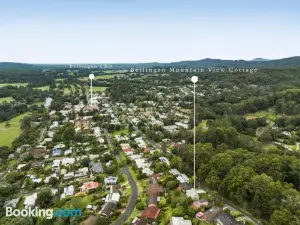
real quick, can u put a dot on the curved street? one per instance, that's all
(134, 190)
(134, 193)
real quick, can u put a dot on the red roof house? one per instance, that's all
(151, 212)
(89, 186)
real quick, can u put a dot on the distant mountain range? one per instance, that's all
(203, 63)
(16, 66)
(259, 60)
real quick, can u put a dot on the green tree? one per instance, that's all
(44, 198)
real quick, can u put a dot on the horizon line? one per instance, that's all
(161, 62)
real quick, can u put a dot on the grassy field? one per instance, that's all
(100, 77)
(13, 84)
(114, 71)
(44, 88)
(9, 134)
(119, 132)
(101, 89)
(270, 114)
(105, 77)
(6, 99)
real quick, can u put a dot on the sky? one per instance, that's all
(135, 31)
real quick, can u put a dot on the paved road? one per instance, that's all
(134, 190)
(134, 194)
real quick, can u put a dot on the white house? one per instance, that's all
(182, 178)
(147, 171)
(68, 152)
(110, 180)
(29, 201)
(113, 197)
(193, 194)
(67, 161)
(165, 160)
(174, 172)
(69, 175)
(180, 221)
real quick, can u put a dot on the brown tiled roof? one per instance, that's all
(38, 152)
(151, 212)
(152, 199)
(155, 188)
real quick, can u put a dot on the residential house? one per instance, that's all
(20, 166)
(86, 187)
(125, 146)
(147, 171)
(155, 188)
(143, 221)
(152, 199)
(155, 178)
(82, 172)
(171, 128)
(67, 161)
(97, 131)
(151, 212)
(185, 186)
(182, 178)
(110, 180)
(29, 201)
(210, 214)
(68, 191)
(97, 167)
(37, 164)
(141, 163)
(165, 160)
(60, 146)
(174, 172)
(113, 197)
(56, 152)
(69, 176)
(92, 157)
(55, 163)
(226, 219)
(192, 193)
(199, 203)
(183, 125)
(38, 153)
(179, 221)
(68, 152)
(128, 151)
(108, 208)
(287, 133)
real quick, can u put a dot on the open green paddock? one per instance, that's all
(13, 84)
(8, 134)
(6, 99)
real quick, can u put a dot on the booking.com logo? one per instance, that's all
(47, 213)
